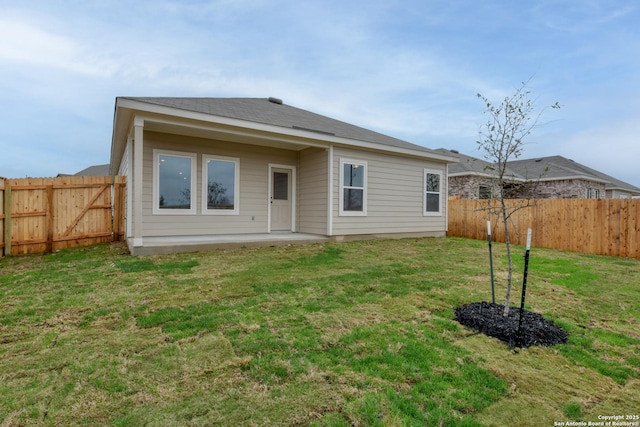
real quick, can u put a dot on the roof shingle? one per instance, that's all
(269, 111)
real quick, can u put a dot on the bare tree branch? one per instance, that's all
(502, 139)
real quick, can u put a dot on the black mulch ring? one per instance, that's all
(488, 319)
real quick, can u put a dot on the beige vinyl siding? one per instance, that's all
(395, 195)
(253, 201)
(617, 194)
(123, 170)
(312, 191)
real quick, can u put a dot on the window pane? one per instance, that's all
(433, 203)
(433, 182)
(353, 175)
(352, 200)
(280, 186)
(174, 182)
(484, 192)
(221, 184)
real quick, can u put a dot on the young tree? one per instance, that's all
(502, 139)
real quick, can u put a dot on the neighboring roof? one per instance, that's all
(551, 168)
(472, 166)
(558, 167)
(96, 170)
(272, 111)
(616, 184)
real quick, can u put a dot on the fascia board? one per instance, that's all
(569, 177)
(485, 175)
(352, 143)
(120, 131)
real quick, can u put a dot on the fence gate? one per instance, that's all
(47, 214)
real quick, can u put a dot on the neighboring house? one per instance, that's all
(545, 177)
(560, 177)
(201, 171)
(96, 170)
(471, 178)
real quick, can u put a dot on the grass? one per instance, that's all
(353, 334)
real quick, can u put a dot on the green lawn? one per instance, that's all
(352, 334)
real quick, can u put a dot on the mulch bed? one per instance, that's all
(488, 319)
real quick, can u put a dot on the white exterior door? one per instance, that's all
(280, 199)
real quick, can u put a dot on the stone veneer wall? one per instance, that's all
(566, 189)
(467, 187)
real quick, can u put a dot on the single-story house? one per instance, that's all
(564, 178)
(95, 170)
(552, 177)
(203, 172)
(473, 178)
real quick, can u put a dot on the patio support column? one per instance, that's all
(330, 191)
(129, 188)
(445, 198)
(136, 200)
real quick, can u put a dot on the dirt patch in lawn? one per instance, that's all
(488, 319)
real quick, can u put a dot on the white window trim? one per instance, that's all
(156, 183)
(424, 193)
(236, 191)
(363, 163)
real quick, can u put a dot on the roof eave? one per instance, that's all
(570, 177)
(121, 122)
(486, 175)
(626, 190)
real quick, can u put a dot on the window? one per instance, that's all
(484, 192)
(280, 186)
(432, 193)
(353, 180)
(220, 185)
(174, 177)
(591, 193)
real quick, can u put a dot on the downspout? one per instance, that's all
(330, 192)
(446, 195)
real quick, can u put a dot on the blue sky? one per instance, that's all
(409, 69)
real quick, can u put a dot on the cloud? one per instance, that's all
(580, 16)
(409, 69)
(30, 46)
(610, 147)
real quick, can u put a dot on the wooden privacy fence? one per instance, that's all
(594, 226)
(46, 214)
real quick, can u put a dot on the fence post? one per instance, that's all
(7, 219)
(118, 209)
(1, 217)
(49, 218)
(493, 288)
